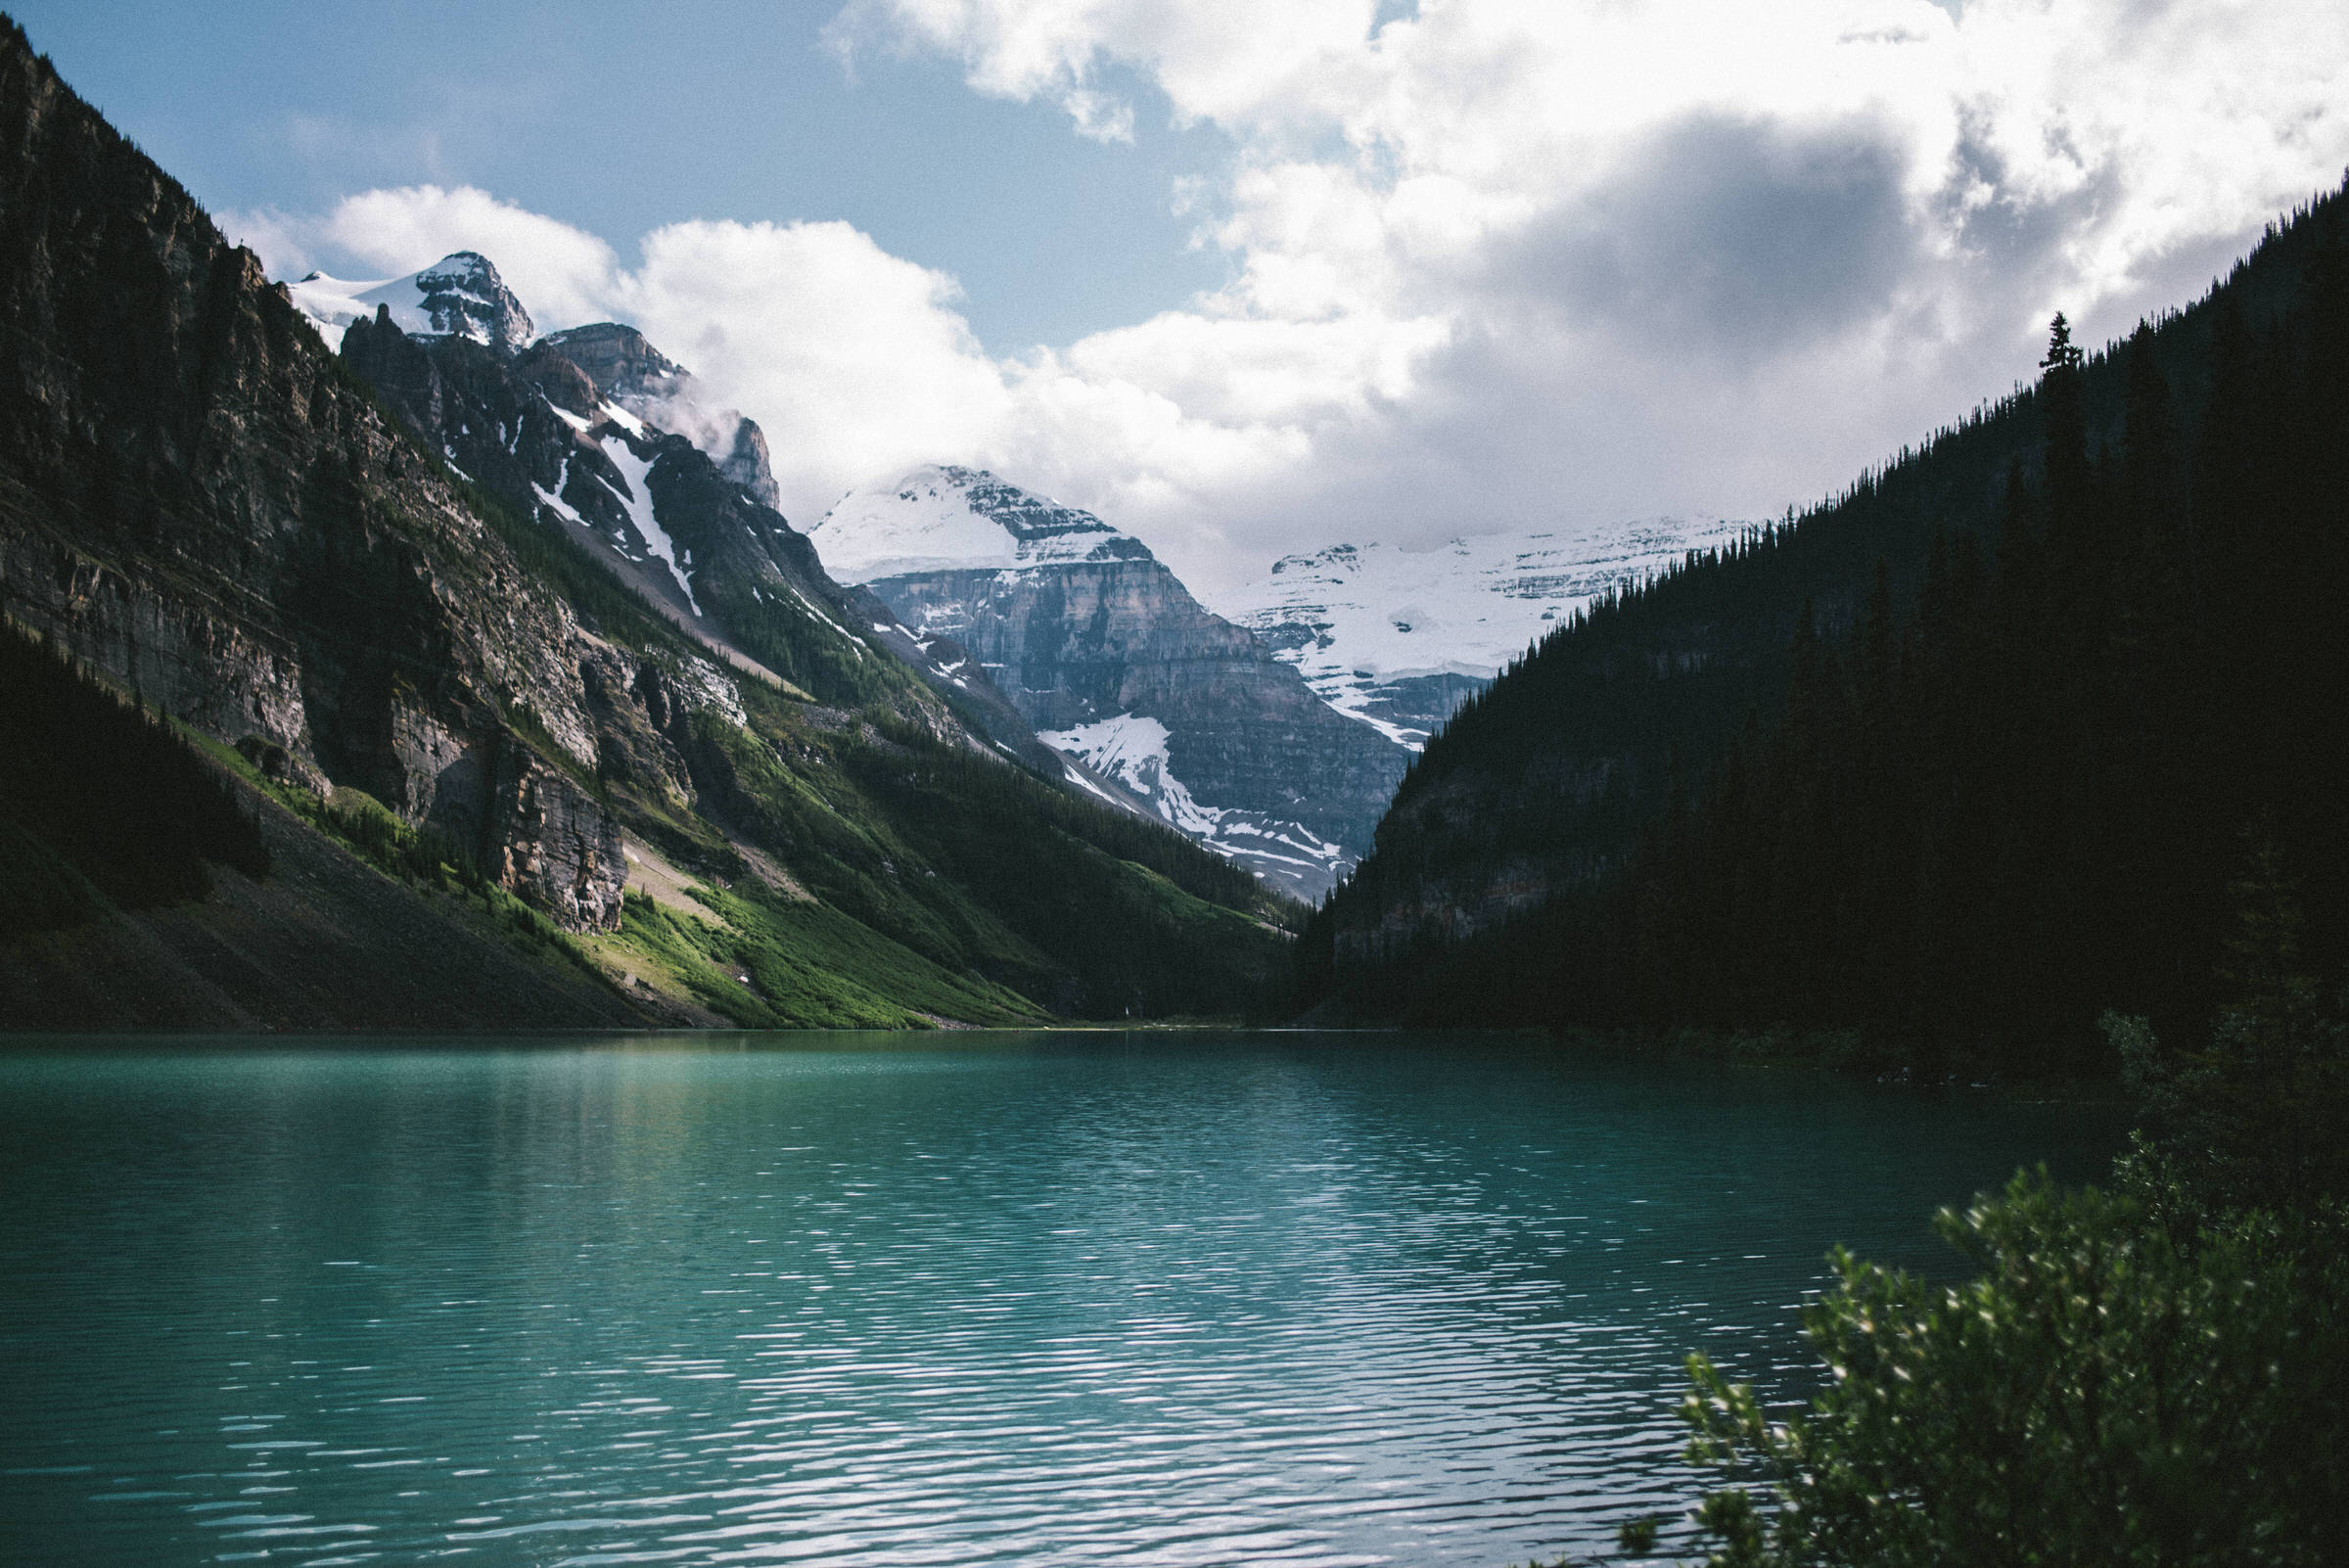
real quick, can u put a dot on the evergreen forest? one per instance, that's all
(101, 800)
(1957, 760)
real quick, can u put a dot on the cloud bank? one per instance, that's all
(1493, 264)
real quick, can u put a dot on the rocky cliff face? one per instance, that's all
(629, 372)
(1108, 656)
(195, 499)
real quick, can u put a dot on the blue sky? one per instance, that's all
(1248, 279)
(618, 118)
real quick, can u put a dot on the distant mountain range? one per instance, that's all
(1113, 662)
(1045, 619)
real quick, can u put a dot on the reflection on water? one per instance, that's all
(1239, 1299)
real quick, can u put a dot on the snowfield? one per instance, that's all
(460, 294)
(1364, 623)
(939, 518)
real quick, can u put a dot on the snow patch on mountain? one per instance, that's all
(637, 497)
(1398, 638)
(1132, 749)
(941, 518)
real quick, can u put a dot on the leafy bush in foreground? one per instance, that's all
(2100, 1393)
(2152, 1377)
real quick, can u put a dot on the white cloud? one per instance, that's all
(853, 359)
(563, 275)
(1646, 254)
(1493, 263)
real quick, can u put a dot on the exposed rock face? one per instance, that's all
(1108, 656)
(196, 499)
(748, 464)
(628, 371)
(617, 360)
(464, 298)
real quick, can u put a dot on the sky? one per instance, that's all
(1249, 278)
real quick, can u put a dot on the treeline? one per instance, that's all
(1990, 803)
(988, 871)
(1012, 798)
(98, 796)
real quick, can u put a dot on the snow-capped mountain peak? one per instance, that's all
(459, 295)
(945, 518)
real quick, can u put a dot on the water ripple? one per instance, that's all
(1198, 1302)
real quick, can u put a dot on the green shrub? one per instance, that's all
(2100, 1393)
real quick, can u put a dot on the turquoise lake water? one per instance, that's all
(936, 1300)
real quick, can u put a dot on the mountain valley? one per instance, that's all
(465, 626)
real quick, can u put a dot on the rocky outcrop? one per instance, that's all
(619, 360)
(625, 369)
(748, 464)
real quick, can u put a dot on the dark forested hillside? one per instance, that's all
(1966, 755)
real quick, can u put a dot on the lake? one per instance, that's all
(1038, 1298)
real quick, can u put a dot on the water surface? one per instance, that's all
(848, 1300)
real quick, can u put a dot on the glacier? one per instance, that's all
(1399, 637)
(939, 517)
